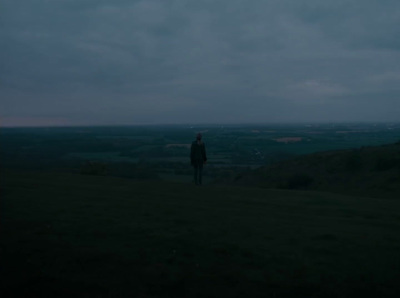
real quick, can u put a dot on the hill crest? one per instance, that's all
(371, 171)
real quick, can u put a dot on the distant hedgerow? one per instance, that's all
(354, 162)
(94, 168)
(297, 181)
(387, 163)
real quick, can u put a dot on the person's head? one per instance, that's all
(199, 136)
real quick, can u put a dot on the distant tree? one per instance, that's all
(354, 162)
(299, 181)
(94, 168)
(386, 163)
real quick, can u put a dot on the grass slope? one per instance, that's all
(66, 235)
(368, 171)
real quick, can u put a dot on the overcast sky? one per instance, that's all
(74, 62)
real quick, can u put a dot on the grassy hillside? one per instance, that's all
(65, 235)
(368, 171)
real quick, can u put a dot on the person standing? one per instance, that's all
(198, 158)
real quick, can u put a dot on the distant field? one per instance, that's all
(100, 156)
(71, 235)
(157, 148)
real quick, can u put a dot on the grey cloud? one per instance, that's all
(179, 60)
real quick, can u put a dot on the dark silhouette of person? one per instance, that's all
(198, 158)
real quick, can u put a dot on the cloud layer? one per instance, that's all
(161, 61)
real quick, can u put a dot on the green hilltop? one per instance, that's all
(66, 235)
(368, 171)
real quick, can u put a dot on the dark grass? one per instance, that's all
(73, 235)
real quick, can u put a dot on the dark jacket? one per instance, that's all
(198, 152)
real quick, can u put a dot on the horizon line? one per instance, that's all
(193, 124)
